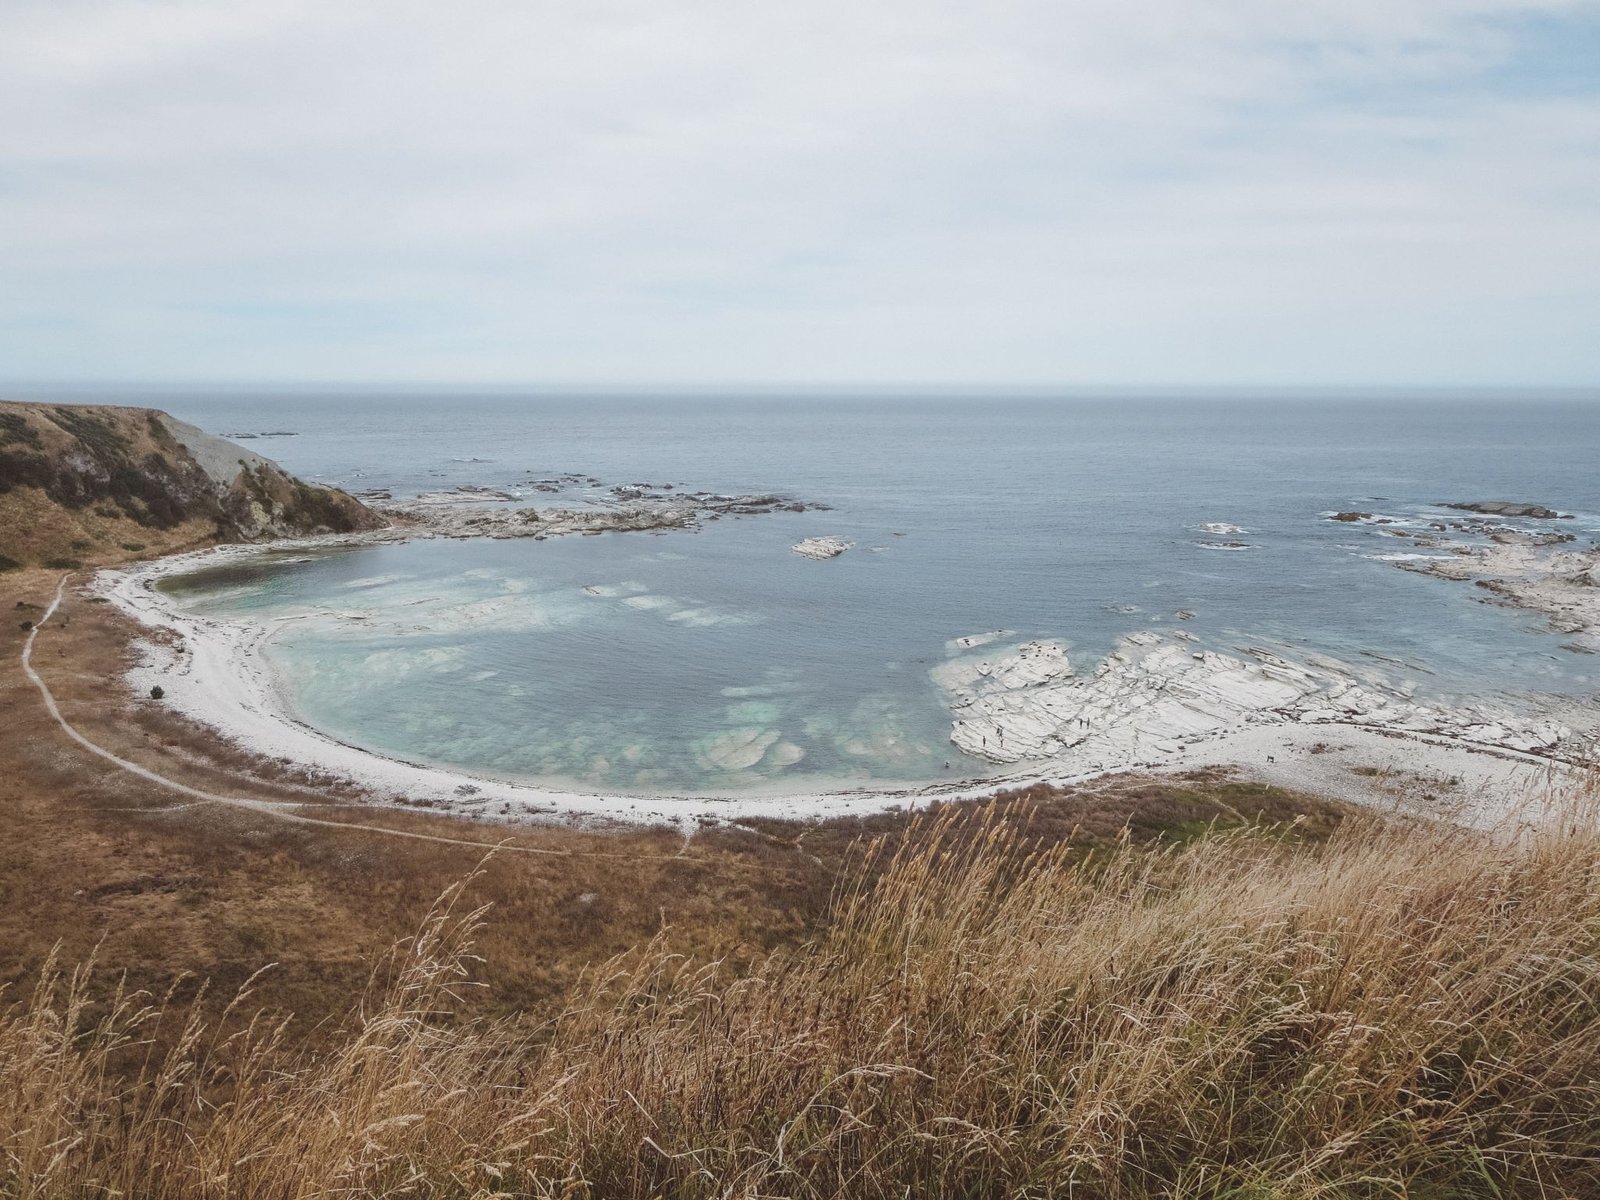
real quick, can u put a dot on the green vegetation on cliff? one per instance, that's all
(90, 483)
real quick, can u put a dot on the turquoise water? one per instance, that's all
(718, 660)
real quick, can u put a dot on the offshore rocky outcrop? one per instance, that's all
(820, 547)
(103, 483)
(1534, 565)
(1506, 508)
(474, 511)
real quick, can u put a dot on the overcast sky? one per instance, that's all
(1079, 191)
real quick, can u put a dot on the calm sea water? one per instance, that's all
(662, 662)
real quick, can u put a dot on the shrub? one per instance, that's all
(157, 692)
(62, 564)
(15, 428)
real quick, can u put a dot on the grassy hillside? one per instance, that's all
(89, 485)
(1390, 1011)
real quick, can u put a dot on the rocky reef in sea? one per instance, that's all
(1535, 565)
(480, 511)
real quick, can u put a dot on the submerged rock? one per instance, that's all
(973, 640)
(467, 493)
(736, 749)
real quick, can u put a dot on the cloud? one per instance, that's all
(1147, 191)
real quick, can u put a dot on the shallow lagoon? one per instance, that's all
(719, 660)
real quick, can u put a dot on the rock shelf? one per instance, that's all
(1155, 694)
(1506, 508)
(472, 511)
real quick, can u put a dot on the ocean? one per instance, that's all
(719, 661)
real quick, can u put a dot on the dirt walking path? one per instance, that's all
(282, 810)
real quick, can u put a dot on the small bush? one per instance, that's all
(14, 427)
(62, 564)
(8, 564)
(132, 547)
(25, 626)
(157, 692)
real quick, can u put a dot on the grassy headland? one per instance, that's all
(96, 484)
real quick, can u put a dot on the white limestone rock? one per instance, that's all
(1153, 694)
(821, 547)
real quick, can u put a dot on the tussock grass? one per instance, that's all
(1397, 1011)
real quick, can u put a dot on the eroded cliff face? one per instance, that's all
(88, 485)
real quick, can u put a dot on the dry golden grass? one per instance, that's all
(1396, 1010)
(38, 530)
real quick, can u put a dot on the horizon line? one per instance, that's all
(908, 389)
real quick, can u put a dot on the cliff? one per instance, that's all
(93, 484)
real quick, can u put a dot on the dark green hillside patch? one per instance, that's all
(103, 471)
(15, 429)
(20, 468)
(98, 435)
(299, 504)
(320, 507)
(159, 433)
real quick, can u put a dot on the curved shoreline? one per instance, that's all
(217, 676)
(214, 673)
(282, 810)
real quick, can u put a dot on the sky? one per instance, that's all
(600, 192)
